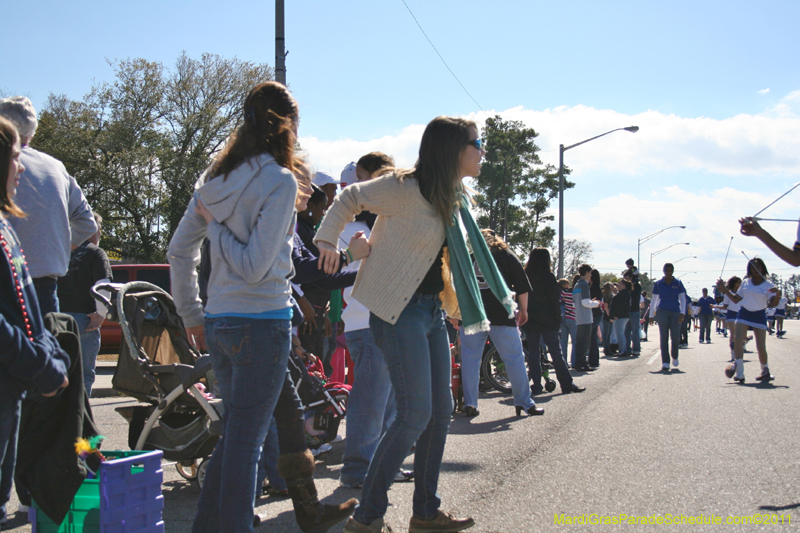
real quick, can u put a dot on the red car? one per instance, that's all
(110, 332)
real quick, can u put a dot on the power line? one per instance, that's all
(440, 57)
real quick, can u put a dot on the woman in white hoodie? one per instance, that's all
(245, 205)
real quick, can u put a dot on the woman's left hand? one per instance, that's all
(203, 211)
(328, 258)
(359, 246)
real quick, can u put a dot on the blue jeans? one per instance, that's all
(569, 328)
(619, 331)
(550, 338)
(249, 357)
(509, 347)
(632, 342)
(370, 407)
(705, 327)
(90, 347)
(9, 432)
(417, 354)
(606, 335)
(268, 463)
(583, 340)
(668, 328)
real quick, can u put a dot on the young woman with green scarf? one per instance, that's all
(419, 264)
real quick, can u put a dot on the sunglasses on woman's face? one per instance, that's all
(476, 143)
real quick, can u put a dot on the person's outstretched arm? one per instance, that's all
(751, 228)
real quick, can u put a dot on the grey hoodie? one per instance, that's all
(251, 242)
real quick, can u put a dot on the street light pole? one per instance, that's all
(652, 255)
(561, 150)
(645, 239)
(280, 44)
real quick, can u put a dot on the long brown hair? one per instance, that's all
(270, 118)
(439, 160)
(8, 138)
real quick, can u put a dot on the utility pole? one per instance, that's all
(280, 44)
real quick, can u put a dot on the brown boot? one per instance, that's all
(312, 515)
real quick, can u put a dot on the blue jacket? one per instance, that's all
(25, 363)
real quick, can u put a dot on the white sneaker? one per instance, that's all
(322, 449)
(675, 363)
(665, 367)
(22, 509)
(338, 438)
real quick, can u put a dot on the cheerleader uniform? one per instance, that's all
(753, 303)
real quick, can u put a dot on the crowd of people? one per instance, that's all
(381, 268)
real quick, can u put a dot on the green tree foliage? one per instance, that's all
(514, 189)
(136, 146)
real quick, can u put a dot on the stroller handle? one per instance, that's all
(112, 289)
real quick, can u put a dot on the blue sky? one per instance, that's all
(714, 87)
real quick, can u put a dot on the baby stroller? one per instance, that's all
(325, 404)
(159, 368)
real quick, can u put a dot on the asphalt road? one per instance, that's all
(638, 443)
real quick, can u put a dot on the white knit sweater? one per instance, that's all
(405, 240)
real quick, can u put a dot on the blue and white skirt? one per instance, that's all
(755, 319)
(780, 312)
(731, 316)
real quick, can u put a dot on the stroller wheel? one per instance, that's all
(187, 469)
(550, 385)
(201, 472)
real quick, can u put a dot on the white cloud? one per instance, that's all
(760, 153)
(764, 91)
(766, 144)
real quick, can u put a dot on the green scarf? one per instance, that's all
(473, 317)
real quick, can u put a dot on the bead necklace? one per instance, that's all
(17, 283)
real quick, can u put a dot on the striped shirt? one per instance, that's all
(569, 308)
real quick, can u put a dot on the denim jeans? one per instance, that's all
(249, 358)
(9, 432)
(606, 335)
(705, 327)
(550, 338)
(619, 332)
(583, 341)
(632, 342)
(268, 463)
(417, 354)
(684, 331)
(594, 346)
(90, 347)
(509, 346)
(669, 329)
(568, 330)
(370, 407)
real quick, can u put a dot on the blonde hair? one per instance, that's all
(493, 241)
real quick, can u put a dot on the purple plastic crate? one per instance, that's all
(124, 498)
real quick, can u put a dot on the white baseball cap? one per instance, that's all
(349, 173)
(323, 178)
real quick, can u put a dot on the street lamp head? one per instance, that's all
(632, 129)
(682, 227)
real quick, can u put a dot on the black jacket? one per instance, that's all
(544, 312)
(47, 465)
(621, 304)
